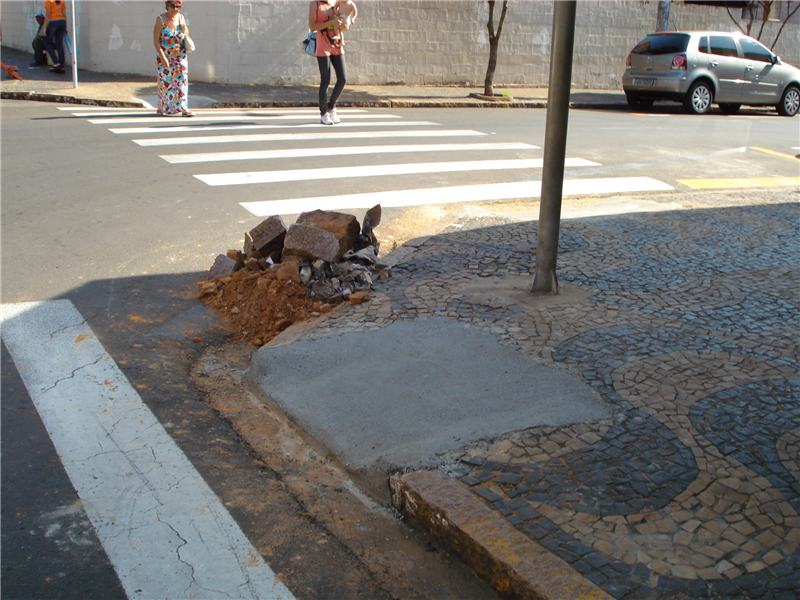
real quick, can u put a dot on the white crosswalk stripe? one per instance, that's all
(163, 528)
(378, 170)
(185, 128)
(447, 195)
(339, 151)
(350, 138)
(322, 136)
(217, 117)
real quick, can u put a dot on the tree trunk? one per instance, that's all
(488, 83)
(494, 44)
(662, 18)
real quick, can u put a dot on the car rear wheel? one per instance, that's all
(790, 102)
(729, 109)
(698, 99)
(637, 102)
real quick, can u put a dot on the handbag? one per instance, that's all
(310, 43)
(187, 42)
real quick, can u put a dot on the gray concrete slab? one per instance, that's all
(398, 397)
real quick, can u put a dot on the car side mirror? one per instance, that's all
(775, 59)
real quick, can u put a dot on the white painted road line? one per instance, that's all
(219, 117)
(469, 193)
(103, 109)
(232, 127)
(380, 171)
(328, 136)
(164, 530)
(203, 157)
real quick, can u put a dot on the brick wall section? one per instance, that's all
(434, 42)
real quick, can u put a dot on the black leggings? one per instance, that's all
(324, 63)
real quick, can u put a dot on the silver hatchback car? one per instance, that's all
(698, 68)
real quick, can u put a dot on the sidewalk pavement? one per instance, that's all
(108, 89)
(683, 321)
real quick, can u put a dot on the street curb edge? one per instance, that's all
(515, 565)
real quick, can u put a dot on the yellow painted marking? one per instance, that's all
(781, 154)
(756, 182)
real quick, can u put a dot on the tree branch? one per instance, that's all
(502, 18)
(490, 24)
(786, 20)
(735, 22)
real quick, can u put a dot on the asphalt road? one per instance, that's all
(90, 216)
(87, 204)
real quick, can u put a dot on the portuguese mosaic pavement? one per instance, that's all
(688, 323)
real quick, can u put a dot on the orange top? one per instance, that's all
(324, 45)
(55, 10)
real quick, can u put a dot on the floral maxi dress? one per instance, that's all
(173, 83)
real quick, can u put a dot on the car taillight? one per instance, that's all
(679, 63)
(628, 62)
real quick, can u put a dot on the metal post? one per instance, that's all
(555, 147)
(74, 47)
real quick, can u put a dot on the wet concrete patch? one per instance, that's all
(398, 397)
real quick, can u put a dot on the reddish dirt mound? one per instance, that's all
(260, 304)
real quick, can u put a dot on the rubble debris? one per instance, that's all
(223, 265)
(344, 227)
(265, 239)
(285, 275)
(306, 241)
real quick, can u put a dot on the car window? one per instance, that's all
(755, 51)
(662, 44)
(723, 45)
(702, 47)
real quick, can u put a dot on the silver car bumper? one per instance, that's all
(667, 85)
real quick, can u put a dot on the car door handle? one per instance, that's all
(749, 67)
(713, 64)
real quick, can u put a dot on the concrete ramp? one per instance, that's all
(399, 396)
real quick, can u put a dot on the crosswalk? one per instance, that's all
(381, 138)
(165, 531)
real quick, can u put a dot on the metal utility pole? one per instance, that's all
(74, 46)
(555, 147)
(662, 18)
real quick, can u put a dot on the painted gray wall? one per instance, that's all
(434, 42)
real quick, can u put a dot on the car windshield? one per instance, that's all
(662, 44)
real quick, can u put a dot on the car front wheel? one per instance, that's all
(790, 102)
(698, 99)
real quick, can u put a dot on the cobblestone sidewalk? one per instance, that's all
(688, 323)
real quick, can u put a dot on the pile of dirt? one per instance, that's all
(286, 275)
(261, 304)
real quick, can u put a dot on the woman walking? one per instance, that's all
(171, 61)
(55, 28)
(322, 19)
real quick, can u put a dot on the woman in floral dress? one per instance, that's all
(173, 67)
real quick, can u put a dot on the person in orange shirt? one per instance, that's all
(55, 28)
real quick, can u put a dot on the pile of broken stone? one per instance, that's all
(336, 259)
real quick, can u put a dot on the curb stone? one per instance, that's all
(516, 566)
(66, 99)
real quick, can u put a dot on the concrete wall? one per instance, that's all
(413, 42)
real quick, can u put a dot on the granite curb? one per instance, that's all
(515, 566)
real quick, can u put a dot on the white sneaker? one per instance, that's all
(326, 119)
(334, 117)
